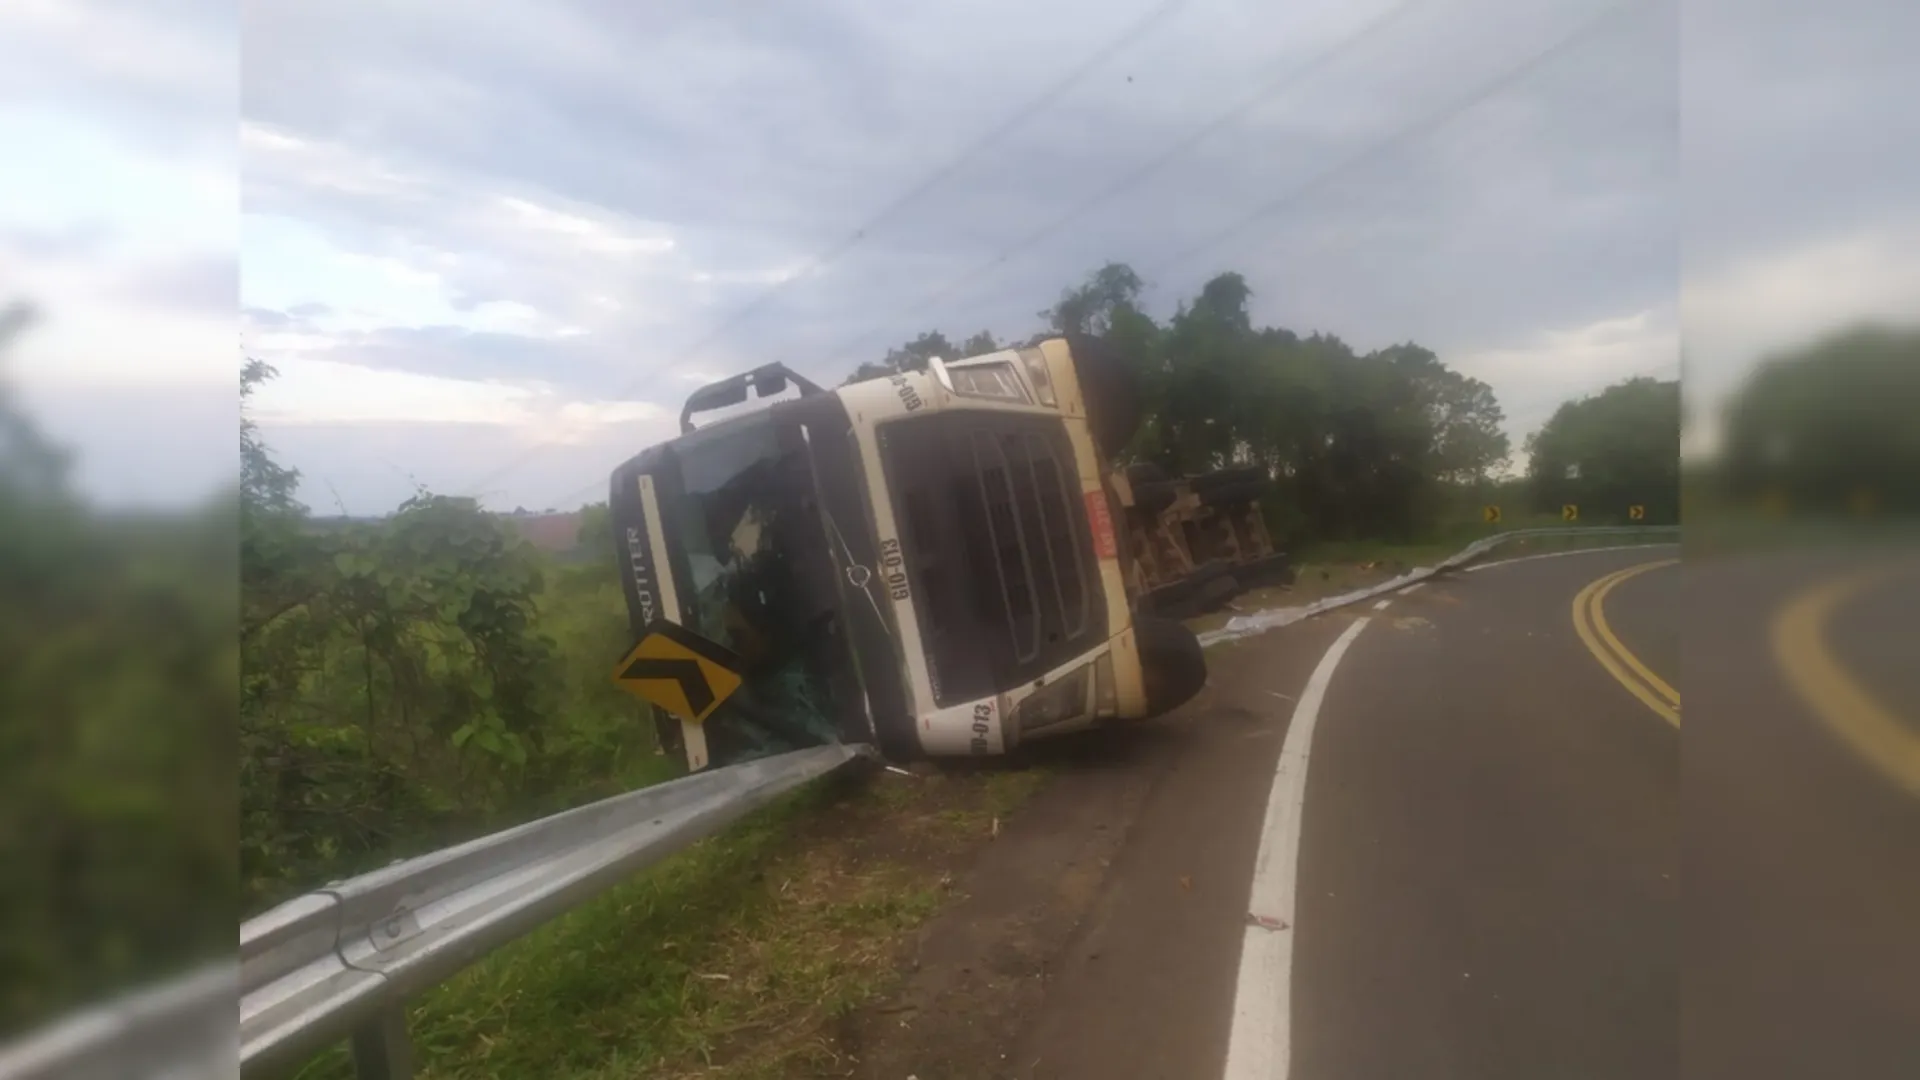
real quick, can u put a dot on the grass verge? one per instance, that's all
(736, 959)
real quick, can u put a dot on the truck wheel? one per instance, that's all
(1237, 492)
(1172, 663)
(1145, 472)
(1222, 585)
(1275, 569)
(1232, 476)
(1202, 591)
(1155, 495)
(1174, 600)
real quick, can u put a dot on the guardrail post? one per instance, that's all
(381, 1049)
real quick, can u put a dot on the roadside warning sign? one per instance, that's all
(1569, 512)
(1490, 514)
(1636, 513)
(679, 671)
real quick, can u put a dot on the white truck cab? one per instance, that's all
(927, 561)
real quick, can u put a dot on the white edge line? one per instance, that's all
(1413, 588)
(1556, 554)
(1382, 605)
(1260, 1046)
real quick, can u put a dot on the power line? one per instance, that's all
(1426, 124)
(1128, 36)
(1286, 81)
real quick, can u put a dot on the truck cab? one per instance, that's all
(926, 561)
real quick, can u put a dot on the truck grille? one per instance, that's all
(997, 547)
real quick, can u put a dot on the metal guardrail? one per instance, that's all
(341, 962)
(1260, 621)
(184, 1028)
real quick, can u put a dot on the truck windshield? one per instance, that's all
(763, 584)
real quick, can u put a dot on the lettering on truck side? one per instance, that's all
(908, 395)
(637, 558)
(982, 725)
(893, 569)
(1105, 545)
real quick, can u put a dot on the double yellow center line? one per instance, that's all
(1850, 711)
(1590, 622)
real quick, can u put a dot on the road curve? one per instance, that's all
(1482, 878)
(1489, 865)
(1802, 820)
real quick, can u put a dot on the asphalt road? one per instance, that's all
(1478, 875)
(1489, 869)
(1445, 838)
(1802, 817)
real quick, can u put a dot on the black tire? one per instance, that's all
(1228, 477)
(1110, 390)
(1154, 495)
(1238, 492)
(1145, 472)
(1174, 665)
(1275, 569)
(1200, 592)
(1174, 600)
(1216, 590)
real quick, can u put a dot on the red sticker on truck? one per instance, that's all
(1101, 518)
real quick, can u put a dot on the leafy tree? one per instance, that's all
(912, 356)
(1830, 423)
(1613, 450)
(1092, 307)
(594, 541)
(116, 733)
(404, 683)
(979, 345)
(1466, 417)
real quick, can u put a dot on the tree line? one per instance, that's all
(1390, 444)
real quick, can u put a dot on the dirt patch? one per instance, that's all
(857, 877)
(979, 974)
(979, 966)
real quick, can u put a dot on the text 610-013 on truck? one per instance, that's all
(927, 562)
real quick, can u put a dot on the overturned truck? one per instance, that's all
(1198, 540)
(930, 562)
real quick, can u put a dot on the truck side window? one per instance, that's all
(995, 380)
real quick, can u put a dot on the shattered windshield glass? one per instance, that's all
(762, 586)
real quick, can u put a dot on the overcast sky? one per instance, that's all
(491, 247)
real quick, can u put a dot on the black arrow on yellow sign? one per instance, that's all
(680, 671)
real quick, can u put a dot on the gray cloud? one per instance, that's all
(756, 134)
(456, 352)
(204, 284)
(371, 468)
(161, 74)
(77, 242)
(844, 122)
(1797, 123)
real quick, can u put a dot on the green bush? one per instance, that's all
(414, 681)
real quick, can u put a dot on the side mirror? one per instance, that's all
(940, 373)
